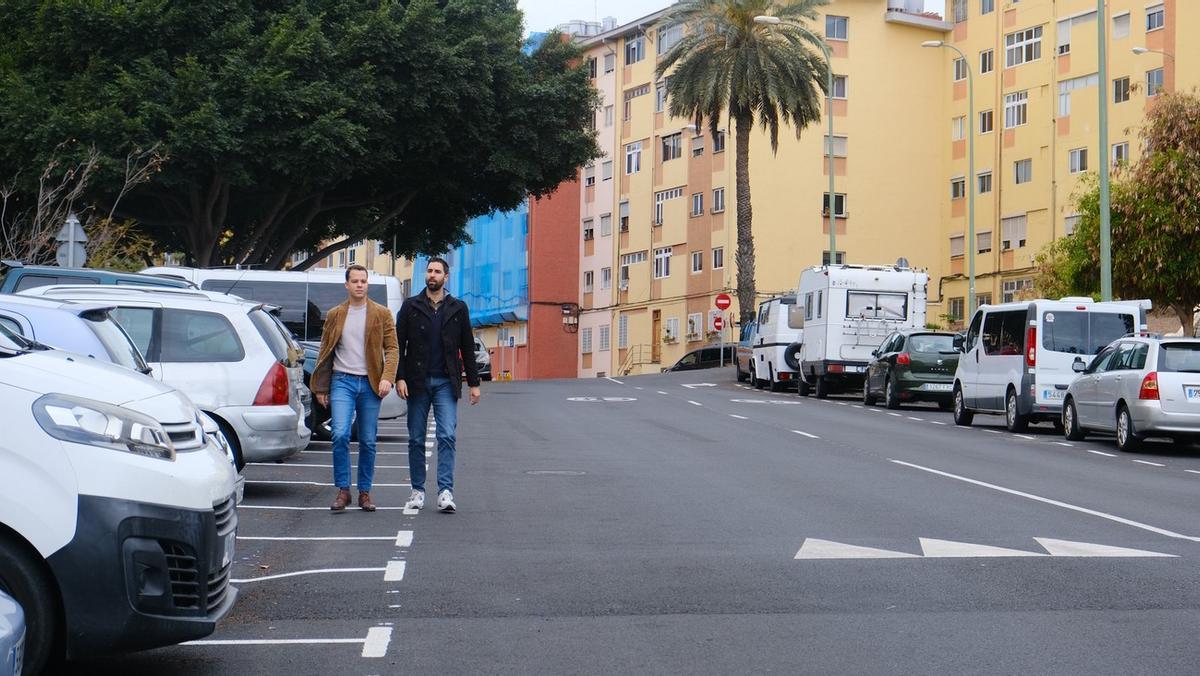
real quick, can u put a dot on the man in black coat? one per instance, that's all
(437, 346)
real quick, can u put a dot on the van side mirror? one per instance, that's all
(1078, 366)
(959, 342)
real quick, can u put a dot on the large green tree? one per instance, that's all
(728, 64)
(1155, 220)
(291, 123)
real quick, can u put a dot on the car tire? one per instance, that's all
(1013, 419)
(963, 416)
(754, 379)
(822, 388)
(1070, 422)
(945, 405)
(891, 398)
(802, 386)
(25, 579)
(868, 398)
(1128, 440)
(235, 445)
(741, 377)
(776, 386)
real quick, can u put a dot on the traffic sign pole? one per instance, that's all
(723, 302)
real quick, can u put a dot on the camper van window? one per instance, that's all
(795, 316)
(1083, 332)
(1004, 333)
(808, 305)
(861, 305)
(764, 313)
(820, 302)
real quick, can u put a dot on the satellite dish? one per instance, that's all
(902, 262)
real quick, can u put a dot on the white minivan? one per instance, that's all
(1017, 357)
(776, 343)
(117, 511)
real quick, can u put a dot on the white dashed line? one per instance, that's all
(661, 392)
(842, 403)
(1025, 436)
(1063, 443)
(302, 464)
(614, 380)
(805, 434)
(694, 403)
(311, 509)
(856, 405)
(316, 483)
(897, 415)
(377, 641)
(1107, 455)
(394, 571)
(935, 422)
(739, 417)
(991, 431)
(1192, 471)
(917, 419)
(319, 571)
(1147, 462)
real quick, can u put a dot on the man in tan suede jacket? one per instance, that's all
(358, 358)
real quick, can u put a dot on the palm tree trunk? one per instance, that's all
(744, 123)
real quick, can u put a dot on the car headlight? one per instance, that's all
(95, 423)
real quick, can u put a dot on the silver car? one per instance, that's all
(12, 635)
(1137, 387)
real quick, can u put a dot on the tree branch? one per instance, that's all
(361, 233)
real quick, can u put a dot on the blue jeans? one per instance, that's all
(348, 395)
(437, 393)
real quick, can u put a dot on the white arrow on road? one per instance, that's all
(693, 386)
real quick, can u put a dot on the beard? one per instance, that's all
(434, 285)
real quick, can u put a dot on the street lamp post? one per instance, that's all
(774, 21)
(1105, 209)
(971, 179)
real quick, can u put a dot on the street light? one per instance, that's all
(971, 179)
(1105, 200)
(775, 21)
(1144, 50)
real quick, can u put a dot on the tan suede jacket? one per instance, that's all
(381, 340)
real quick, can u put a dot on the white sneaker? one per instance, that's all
(445, 501)
(416, 500)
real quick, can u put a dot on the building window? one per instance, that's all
(1067, 25)
(628, 260)
(957, 244)
(1023, 46)
(606, 170)
(1016, 288)
(605, 278)
(839, 146)
(633, 157)
(629, 96)
(623, 215)
(635, 49)
(986, 122)
(839, 87)
(958, 128)
(718, 203)
(671, 329)
(1121, 90)
(697, 204)
(960, 69)
(660, 199)
(839, 205)
(987, 61)
(662, 263)
(1015, 109)
(605, 225)
(958, 188)
(841, 260)
(1156, 18)
(1067, 86)
(610, 63)
(668, 37)
(592, 68)
(660, 95)
(983, 242)
(987, 6)
(1077, 160)
(1012, 233)
(585, 340)
(589, 175)
(605, 337)
(718, 258)
(353, 256)
(1070, 223)
(1120, 153)
(983, 299)
(697, 261)
(1023, 171)
(1154, 82)
(837, 28)
(955, 309)
(695, 326)
(589, 232)
(958, 10)
(589, 278)
(985, 182)
(623, 331)
(719, 142)
(608, 116)
(672, 147)
(1120, 26)
(697, 146)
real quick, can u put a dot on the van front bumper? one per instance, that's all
(139, 575)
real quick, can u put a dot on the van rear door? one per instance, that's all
(1067, 334)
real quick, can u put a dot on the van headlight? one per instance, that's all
(95, 423)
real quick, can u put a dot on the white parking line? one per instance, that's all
(917, 419)
(1107, 455)
(1025, 436)
(1192, 471)
(1056, 503)
(377, 641)
(856, 405)
(1147, 462)
(1063, 443)
(376, 453)
(739, 417)
(694, 403)
(319, 571)
(614, 380)
(394, 571)
(935, 422)
(992, 431)
(301, 464)
(661, 392)
(403, 538)
(375, 644)
(897, 415)
(319, 509)
(842, 403)
(805, 434)
(318, 483)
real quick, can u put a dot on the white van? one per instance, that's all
(117, 511)
(304, 297)
(1017, 357)
(776, 343)
(848, 311)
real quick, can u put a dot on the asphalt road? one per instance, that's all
(644, 526)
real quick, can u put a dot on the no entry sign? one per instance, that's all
(723, 302)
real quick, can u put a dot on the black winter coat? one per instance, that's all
(458, 341)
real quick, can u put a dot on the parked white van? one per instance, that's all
(1017, 357)
(848, 311)
(778, 332)
(117, 511)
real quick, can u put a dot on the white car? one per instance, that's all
(776, 343)
(227, 354)
(117, 511)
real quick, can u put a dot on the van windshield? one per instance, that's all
(1083, 331)
(1179, 357)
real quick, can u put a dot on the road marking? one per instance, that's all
(1107, 455)
(404, 538)
(694, 403)
(874, 410)
(376, 452)
(841, 403)
(376, 644)
(935, 422)
(947, 549)
(1063, 443)
(614, 380)
(394, 571)
(318, 571)
(739, 417)
(1147, 462)
(806, 434)
(661, 392)
(896, 415)
(1192, 471)
(857, 405)
(1025, 436)
(1049, 501)
(827, 549)
(917, 419)
(301, 464)
(312, 509)
(316, 483)
(992, 431)
(693, 386)
(1068, 548)
(638, 388)
(931, 548)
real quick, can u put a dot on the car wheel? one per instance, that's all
(741, 377)
(317, 422)
(234, 444)
(802, 387)
(962, 415)
(776, 386)
(23, 578)
(891, 398)
(868, 398)
(822, 387)
(1128, 439)
(754, 379)
(945, 405)
(1070, 422)
(1014, 421)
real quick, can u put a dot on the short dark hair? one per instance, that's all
(354, 267)
(438, 259)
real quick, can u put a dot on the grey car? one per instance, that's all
(84, 328)
(12, 635)
(484, 359)
(1137, 387)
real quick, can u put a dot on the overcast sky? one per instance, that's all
(543, 15)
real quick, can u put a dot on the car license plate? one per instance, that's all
(1054, 395)
(227, 557)
(1192, 392)
(938, 387)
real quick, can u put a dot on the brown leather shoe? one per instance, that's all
(364, 501)
(342, 499)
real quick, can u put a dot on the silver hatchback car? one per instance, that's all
(1137, 387)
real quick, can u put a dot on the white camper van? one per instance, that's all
(848, 311)
(776, 343)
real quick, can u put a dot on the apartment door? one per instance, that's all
(656, 337)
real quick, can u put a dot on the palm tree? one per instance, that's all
(729, 63)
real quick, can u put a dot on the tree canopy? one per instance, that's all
(288, 124)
